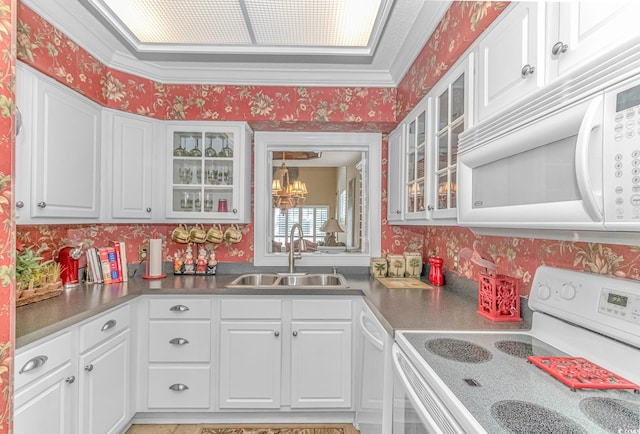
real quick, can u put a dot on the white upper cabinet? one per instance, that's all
(132, 168)
(395, 207)
(579, 32)
(63, 162)
(450, 100)
(510, 60)
(209, 171)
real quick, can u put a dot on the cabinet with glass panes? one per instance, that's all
(209, 171)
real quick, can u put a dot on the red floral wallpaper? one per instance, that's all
(7, 214)
(308, 109)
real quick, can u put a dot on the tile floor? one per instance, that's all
(195, 429)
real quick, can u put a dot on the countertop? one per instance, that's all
(450, 307)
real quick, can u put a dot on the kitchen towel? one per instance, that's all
(155, 257)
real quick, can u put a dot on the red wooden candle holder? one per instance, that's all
(498, 297)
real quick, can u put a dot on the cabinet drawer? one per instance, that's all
(42, 359)
(179, 387)
(173, 341)
(235, 308)
(180, 308)
(103, 327)
(321, 309)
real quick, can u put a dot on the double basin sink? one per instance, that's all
(296, 280)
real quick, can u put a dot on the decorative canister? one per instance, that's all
(498, 297)
(412, 264)
(396, 266)
(378, 267)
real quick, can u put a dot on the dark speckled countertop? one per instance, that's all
(451, 307)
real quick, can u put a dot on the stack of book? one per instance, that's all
(107, 264)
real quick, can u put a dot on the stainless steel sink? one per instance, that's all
(253, 280)
(303, 281)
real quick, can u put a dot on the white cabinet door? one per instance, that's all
(131, 171)
(250, 364)
(65, 155)
(47, 406)
(509, 63)
(320, 364)
(209, 171)
(104, 386)
(24, 140)
(395, 170)
(588, 30)
(415, 164)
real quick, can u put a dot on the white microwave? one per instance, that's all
(576, 168)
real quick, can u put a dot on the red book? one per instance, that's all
(104, 262)
(116, 246)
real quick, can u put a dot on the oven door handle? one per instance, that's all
(417, 404)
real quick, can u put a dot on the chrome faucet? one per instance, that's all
(301, 246)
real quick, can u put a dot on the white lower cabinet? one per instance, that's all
(104, 386)
(320, 364)
(284, 352)
(46, 388)
(250, 364)
(175, 354)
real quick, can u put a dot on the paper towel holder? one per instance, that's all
(155, 244)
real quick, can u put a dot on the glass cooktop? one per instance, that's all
(490, 376)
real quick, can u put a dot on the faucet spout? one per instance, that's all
(301, 246)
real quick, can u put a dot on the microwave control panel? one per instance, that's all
(622, 157)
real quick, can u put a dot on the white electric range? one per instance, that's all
(483, 382)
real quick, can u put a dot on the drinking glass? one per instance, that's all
(210, 152)
(226, 151)
(180, 150)
(195, 152)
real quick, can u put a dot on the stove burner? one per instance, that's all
(518, 349)
(522, 417)
(459, 351)
(614, 415)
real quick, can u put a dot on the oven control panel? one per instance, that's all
(619, 304)
(604, 304)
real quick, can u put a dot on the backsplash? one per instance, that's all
(302, 109)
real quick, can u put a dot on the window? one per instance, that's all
(311, 218)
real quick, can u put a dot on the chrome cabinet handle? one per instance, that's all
(398, 211)
(559, 48)
(178, 341)
(235, 211)
(295, 333)
(179, 387)
(149, 209)
(527, 70)
(89, 367)
(109, 325)
(42, 204)
(34, 363)
(179, 308)
(70, 379)
(19, 204)
(429, 207)
(276, 333)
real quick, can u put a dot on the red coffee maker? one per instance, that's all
(68, 258)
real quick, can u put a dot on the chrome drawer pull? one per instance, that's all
(109, 325)
(70, 379)
(178, 387)
(179, 308)
(34, 363)
(178, 341)
(89, 367)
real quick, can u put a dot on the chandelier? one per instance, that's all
(286, 194)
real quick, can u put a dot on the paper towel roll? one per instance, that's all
(155, 257)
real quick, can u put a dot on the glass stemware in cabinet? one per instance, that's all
(226, 151)
(212, 176)
(210, 152)
(196, 152)
(186, 175)
(180, 151)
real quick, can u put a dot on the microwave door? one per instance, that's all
(544, 175)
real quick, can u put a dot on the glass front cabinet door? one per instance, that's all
(209, 171)
(415, 164)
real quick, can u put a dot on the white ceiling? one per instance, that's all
(399, 31)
